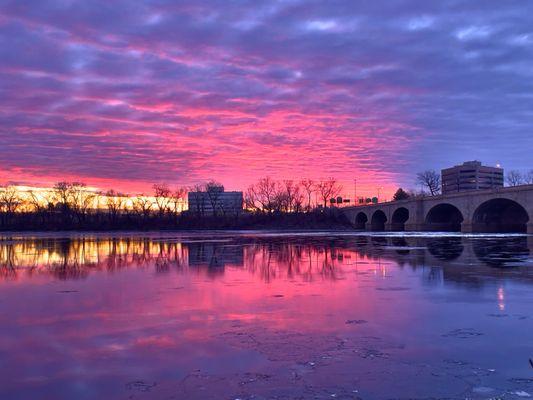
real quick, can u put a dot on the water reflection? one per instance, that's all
(77, 257)
(446, 249)
(269, 258)
(263, 316)
(502, 253)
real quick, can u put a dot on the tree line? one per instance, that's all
(268, 195)
(73, 205)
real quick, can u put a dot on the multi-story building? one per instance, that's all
(215, 203)
(471, 176)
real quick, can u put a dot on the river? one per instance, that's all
(265, 315)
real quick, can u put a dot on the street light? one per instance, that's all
(379, 192)
(355, 192)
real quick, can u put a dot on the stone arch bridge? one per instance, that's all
(488, 211)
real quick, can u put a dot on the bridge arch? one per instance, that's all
(444, 217)
(361, 220)
(500, 215)
(399, 218)
(379, 219)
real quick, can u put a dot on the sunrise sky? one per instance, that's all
(124, 94)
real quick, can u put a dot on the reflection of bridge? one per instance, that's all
(500, 210)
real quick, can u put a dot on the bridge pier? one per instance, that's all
(467, 227)
(530, 228)
(414, 227)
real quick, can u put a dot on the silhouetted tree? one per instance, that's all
(214, 192)
(430, 180)
(73, 199)
(264, 194)
(10, 199)
(400, 195)
(309, 187)
(142, 206)
(80, 200)
(528, 177)
(250, 201)
(115, 203)
(162, 195)
(292, 195)
(178, 197)
(61, 197)
(514, 178)
(10, 202)
(327, 190)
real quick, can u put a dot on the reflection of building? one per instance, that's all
(471, 176)
(215, 202)
(214, 255)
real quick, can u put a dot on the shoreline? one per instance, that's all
(64, 234)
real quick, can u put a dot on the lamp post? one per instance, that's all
(355, 192)
(379, 192)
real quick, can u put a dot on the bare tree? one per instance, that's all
(528, 177)
(265, 193)
(250, 200)
(429, 179)
(214, 192)
(309, 187)
(61, 196)
(73, 199)
(291, 195)
(40, 202)
(328, 190)
(80, 200)
(177, 199)
(162, 194)
(142, 206)
(10, 199)
(514, 178)
(115, 203)
(280, 200)
(298, 199)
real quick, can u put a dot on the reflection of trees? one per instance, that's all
(271, 260)
(75, 258)
(301, 258)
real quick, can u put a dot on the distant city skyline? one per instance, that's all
(123, 96)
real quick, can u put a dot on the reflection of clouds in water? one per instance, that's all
(330, 305)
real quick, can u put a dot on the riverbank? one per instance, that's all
(329, 219)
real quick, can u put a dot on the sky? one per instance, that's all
(125, 94)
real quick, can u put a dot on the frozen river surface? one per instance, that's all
(262, 315)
